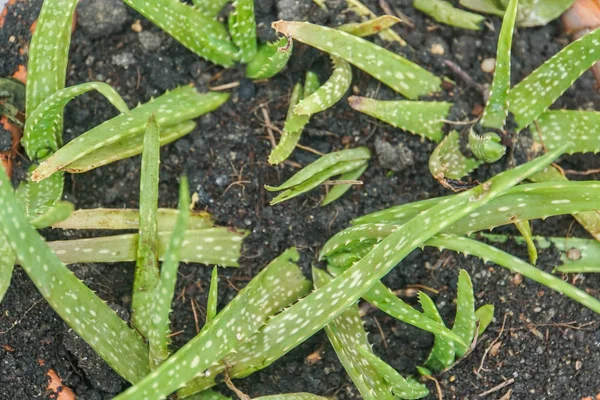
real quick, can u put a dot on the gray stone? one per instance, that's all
(294, 10)
(392, 157)
(100, 18)
(124, 59)
(150, 41)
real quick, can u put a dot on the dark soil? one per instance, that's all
(550, 345)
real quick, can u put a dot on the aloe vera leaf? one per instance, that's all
(402, 75)
(59, 212)
(37, 198)
(401, 387)
(330, 92)
(173, 107)
(278, 284)
(242, 28)
(328, 160)
(447, 161)
(292, 396)
(531, 12)
(127, 147)
(360, 9)
(369, 27)
(484, 315)
(576, 128)
(338, 191)
(121, 347)
(45, 120)
(514, 264)
(465, 323)
(202, 35)
(294, 123)
(534, 94)
(445, 13)
(218, 246)
(161, 306)
(270, 59)
(47, 66)
(484, 6)
(496, 109)
(383, 298)
(314, 181)
(300, 321)
(210, 8)
(424, 118)
(525, 229)
(213, 296)
(576, 254)
(147, 275)
(522, 203)
(590, 220)
(346, 334)
(7, 263)
(443, 352)
(128, 218)
(486, 147)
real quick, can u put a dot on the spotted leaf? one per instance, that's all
(210, 8)
(531, 12)
(270, 59)
(242, 27)
(465, 321)
(447, 161)
(443, 353)
(576, 128)
(445, 13)
(369, 27)
(7, 262)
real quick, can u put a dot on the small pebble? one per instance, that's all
(150, 41)
(100, 18)
(137, 26)
(537, 309)
(437, 49)
(488, 65)
(124, 59)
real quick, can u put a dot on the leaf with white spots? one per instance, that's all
(242, 28)
(46, 120)
(294, 123)
(173, 107)
(47, 67)
(146, 277)
(89, 316)
(445, 13)
(328, 166)
(202, 35)
(7, 262)
(447, 161)
(213, 295)
(443, 351)
(270, 59)
(576, 128)
(405, 77)
(465, 323)
(279, 284)
(127, 147)
(534, 94)
(338, 191)
(297, 323)
(424, 118)
(330, 92)
(161, 306)
(486, 147)
(369, 27)
(38, 198)
(484, 315)
(59, 212)
(210, 8)
(213, 246)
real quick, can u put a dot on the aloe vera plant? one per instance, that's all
(343, 162)
(531, 12)
(445, 13)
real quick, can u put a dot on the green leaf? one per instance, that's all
(146, 278)
(161, 306)
(292, 396)
(465, 323)
(531, 12)
(575, 128)
(89, 316)
(356, 7)
(330, 92)
(173, 107)
(338, 191)
(487, 147)
(445, 13)
(496, 109)
(525, 230)
(47, 66)
(210, 8)
(38, 198)
(202, 35)
(242, 27)
(270, 59)
(424, 118)
(276, 286)
(59, 212)
(443, 352)
(395, 71)
(213, 296)
(294, 325)
(127, 147)
(369, 27)
(447, 161)
(46, 120)
(218, 246)
(7, 262)
(128, 218)
(534, 94)
(485, 315)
